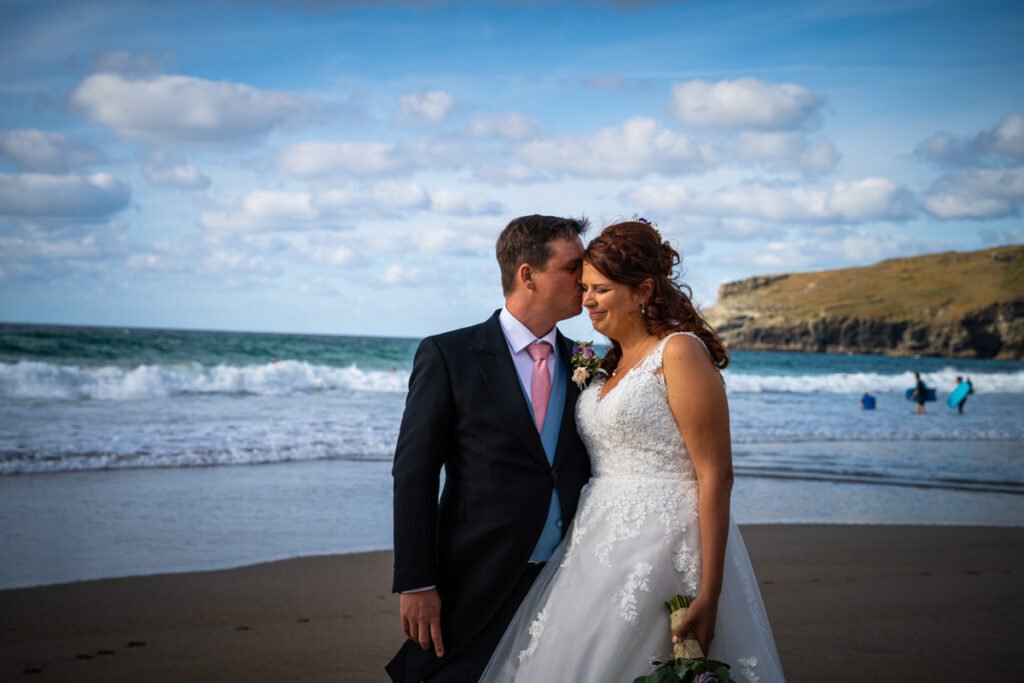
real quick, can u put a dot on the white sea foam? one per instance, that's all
(859, 382)
(37, 380)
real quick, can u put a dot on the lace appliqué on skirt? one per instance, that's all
(639, 580)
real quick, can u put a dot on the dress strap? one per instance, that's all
(661, 345)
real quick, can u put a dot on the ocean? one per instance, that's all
(153, 449)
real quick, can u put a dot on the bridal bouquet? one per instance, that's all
(688, 663)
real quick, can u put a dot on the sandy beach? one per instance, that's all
(847, 603)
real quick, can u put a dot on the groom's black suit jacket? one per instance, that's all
(466, 411)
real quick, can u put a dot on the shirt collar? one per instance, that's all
(519, 336)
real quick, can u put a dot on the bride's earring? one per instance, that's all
(643, 308)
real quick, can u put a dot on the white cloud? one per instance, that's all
(785, 150)
(459, 237)
(71, 197)
(184, 108)
(608, 81)
(396, 274)
(692, 231)
(330, 255)
(636, 148)
(508, 126)
(1003, 142)
(745, 103)
(459, 203)
(432, 106)
(382, 198)
(131, 63)
(1008, 137)
(333, 209)
(811, 252)
(238, 268)
(977, 194)
(1002, 237)
(32, 251)
(264, 210)
(318, 286)
(176, 176)
(870, 199)
(324, 158)
(321, 158)
(510, 172)
(164, 256)
(391, 194)
(389, 198)
(30, 149)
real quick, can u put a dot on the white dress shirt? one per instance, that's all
(518, 337)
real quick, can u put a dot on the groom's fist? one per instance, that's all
(421, 618)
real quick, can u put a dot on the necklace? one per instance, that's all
(640, 357)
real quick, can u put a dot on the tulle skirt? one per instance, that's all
(597, 612)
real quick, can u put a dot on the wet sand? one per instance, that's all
(847, 603)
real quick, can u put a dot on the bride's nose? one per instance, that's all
(588, 299)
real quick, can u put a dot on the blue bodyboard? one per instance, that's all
(929, 395)
(958, 395)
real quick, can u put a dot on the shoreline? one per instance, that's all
(67, 527)
(333, 618)
(342, 554)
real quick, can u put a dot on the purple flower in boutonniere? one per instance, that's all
(585, 363)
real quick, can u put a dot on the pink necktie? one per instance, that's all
(540, 381)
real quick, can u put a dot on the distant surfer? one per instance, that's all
(920, 393)
(959, 396)
(867, 401)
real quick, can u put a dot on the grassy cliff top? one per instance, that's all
(937, 287)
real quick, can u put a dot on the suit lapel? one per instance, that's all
(499, 374)
(568, 427)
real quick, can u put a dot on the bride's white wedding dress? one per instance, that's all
(596, 612)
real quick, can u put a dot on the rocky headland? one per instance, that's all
(956, 304)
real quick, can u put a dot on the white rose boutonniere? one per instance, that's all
(585, 363)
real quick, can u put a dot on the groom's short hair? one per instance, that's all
(525, 240)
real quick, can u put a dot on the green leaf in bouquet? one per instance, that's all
(667, 675)
(722, 672)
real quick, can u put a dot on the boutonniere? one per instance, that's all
(585, 363)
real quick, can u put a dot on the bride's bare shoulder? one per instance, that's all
(685, 356)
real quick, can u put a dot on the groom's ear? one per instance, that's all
(525, 276)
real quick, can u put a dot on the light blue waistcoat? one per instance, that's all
(551, 536)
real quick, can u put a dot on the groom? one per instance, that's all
(494, 406)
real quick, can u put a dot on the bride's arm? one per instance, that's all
(696, 395)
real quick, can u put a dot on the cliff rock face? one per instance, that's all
(958, 304)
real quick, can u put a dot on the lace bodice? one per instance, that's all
(631, 431)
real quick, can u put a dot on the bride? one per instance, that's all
(654, 519)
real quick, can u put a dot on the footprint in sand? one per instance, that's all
(302, 621)
(104, 652)
(83, 656)
(136, 643)
(33, 670)
(242, 628)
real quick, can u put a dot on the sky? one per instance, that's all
(344, 167)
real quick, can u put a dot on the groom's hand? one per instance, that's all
(421, 618)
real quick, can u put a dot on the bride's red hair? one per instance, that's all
(631, 252)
